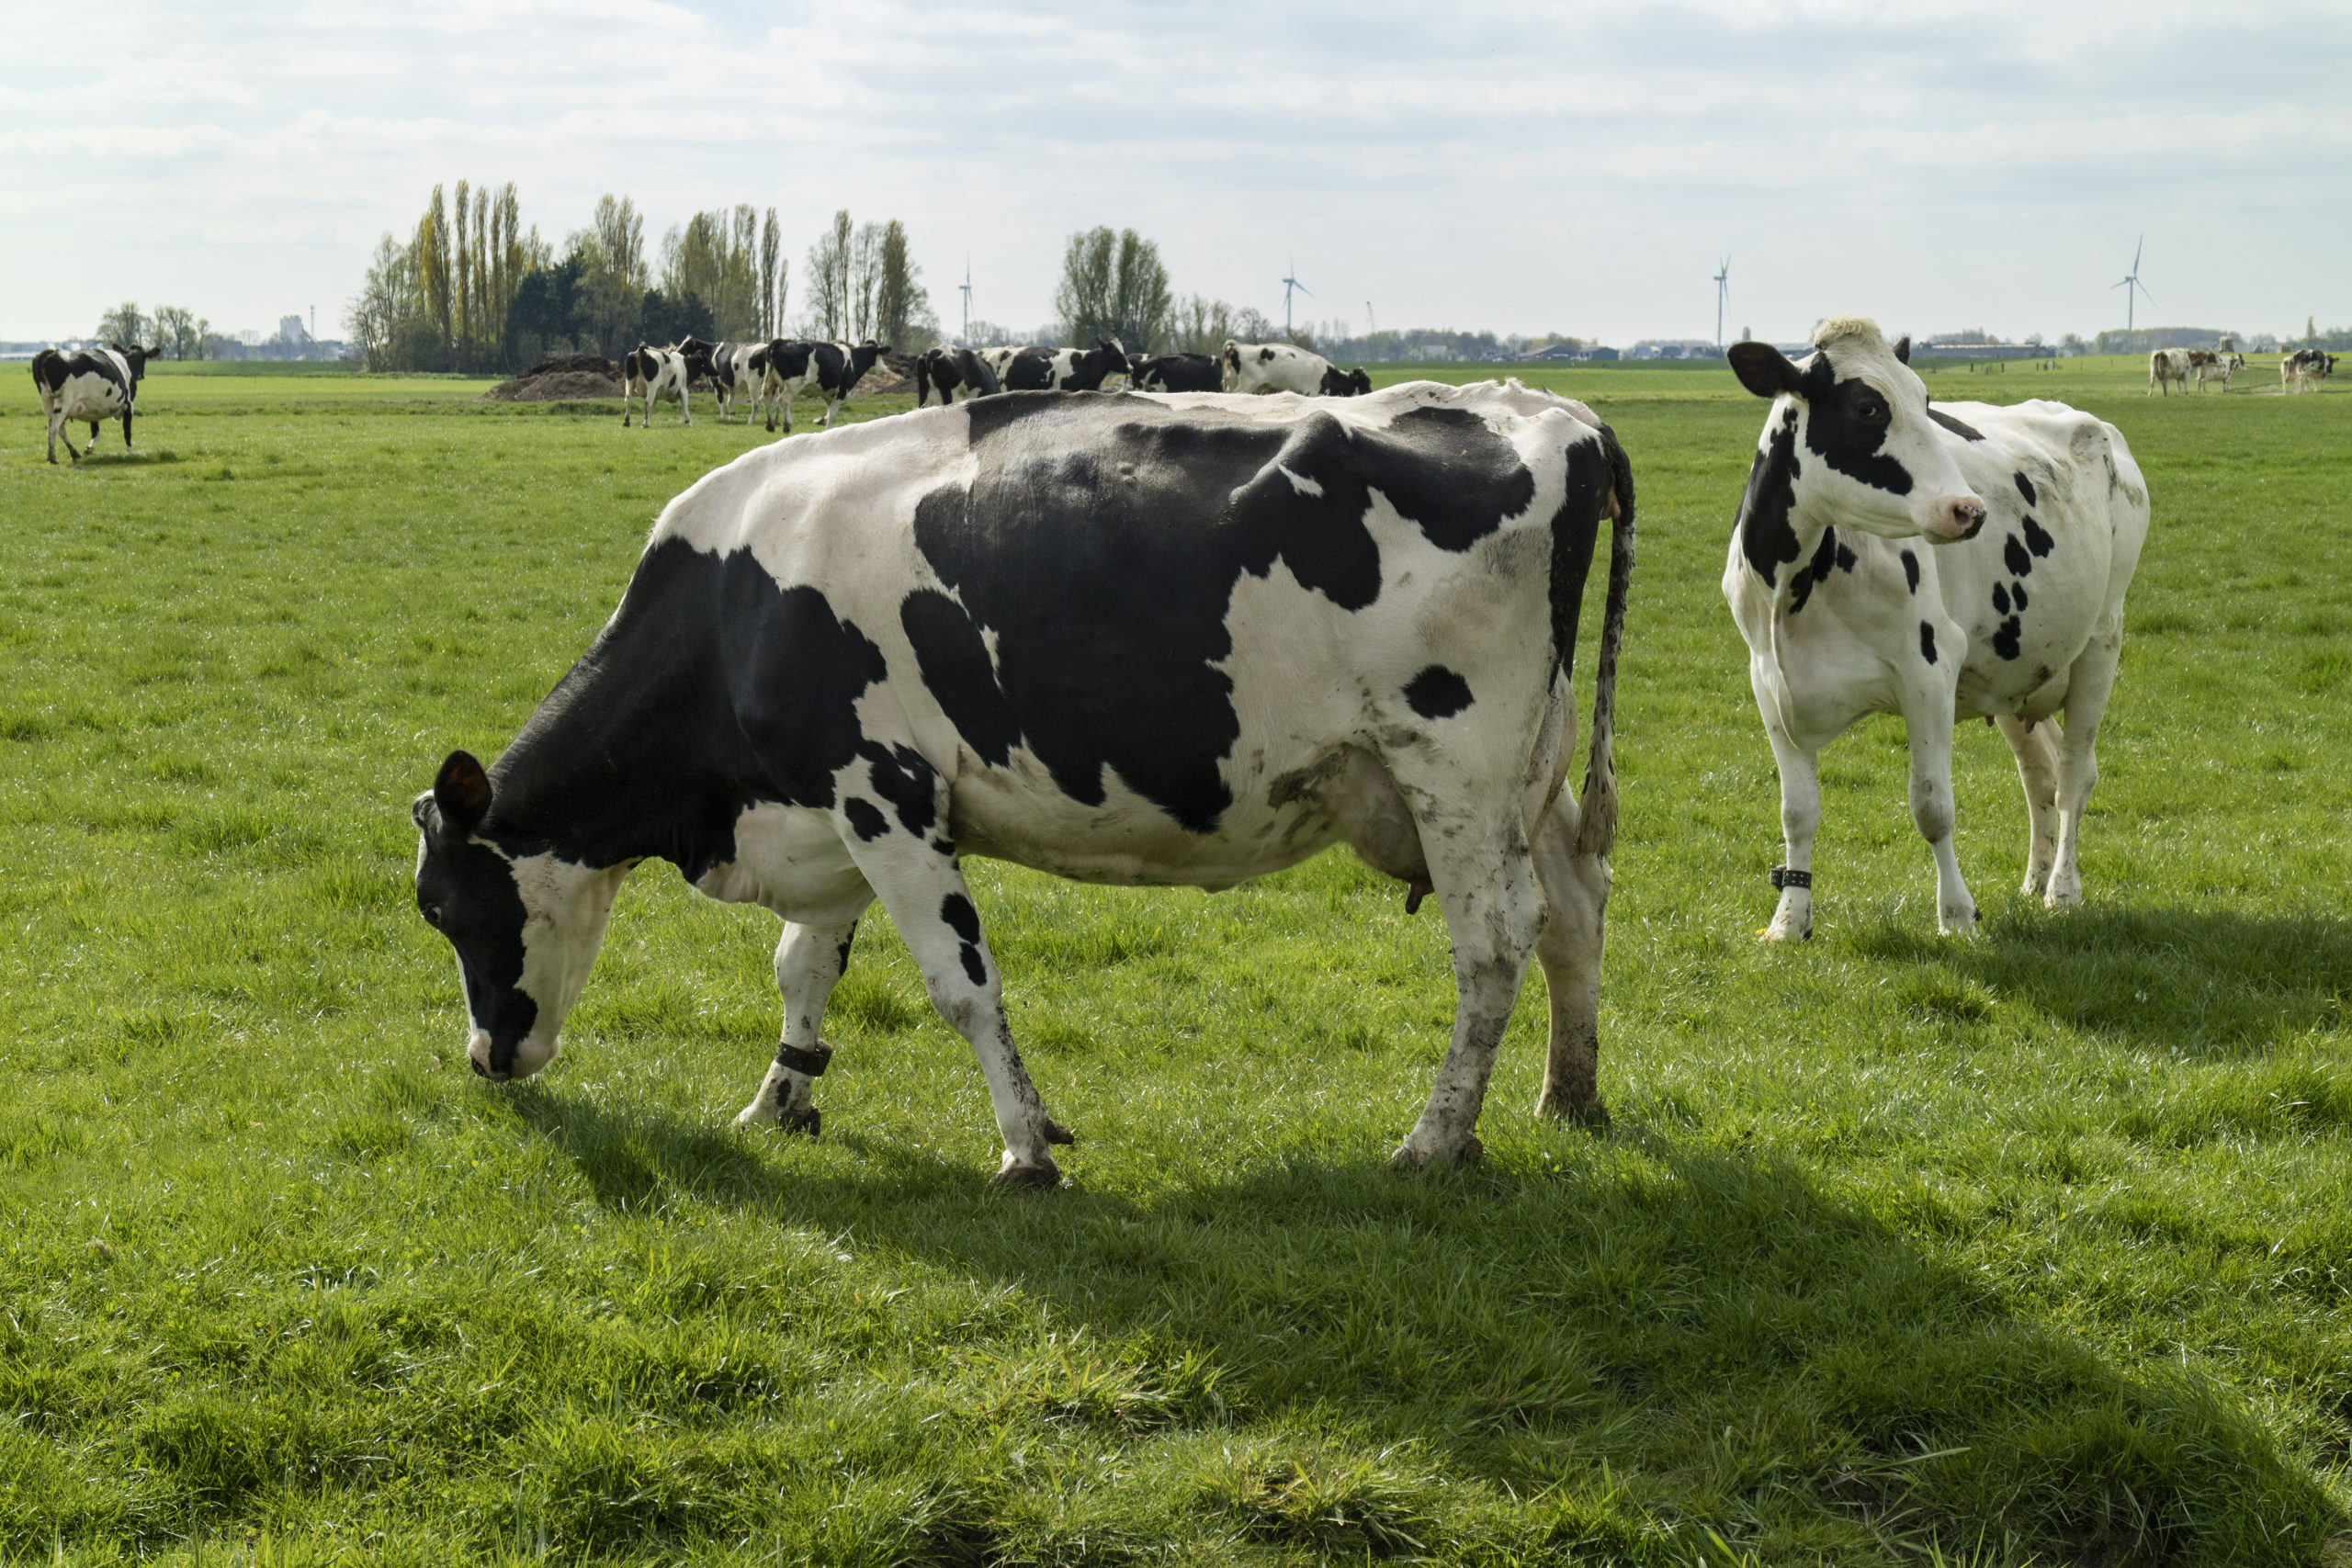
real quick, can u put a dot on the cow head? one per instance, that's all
(862, 357)
(700, 357)
(1866, 450)
(525, 922)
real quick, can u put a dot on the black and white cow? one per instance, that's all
(1176, 373)
(1932, 561)
(89, 386)
(2166, 366)
(1057, 369)
(1168, 640)
(1285, 367)
(2215, 365)
(831, 369)
(953, 376)
(657, 373)
(2301, 370)
(739, 370)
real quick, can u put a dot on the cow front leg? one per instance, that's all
(2038, 773)
(1485, 880)
(810, 962)
(830, 404)
(1800, 769)
(2088, 686)
(1927, 717)
(1576, 896)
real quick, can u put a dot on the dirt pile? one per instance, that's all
(555, 380)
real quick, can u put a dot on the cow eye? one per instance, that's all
(1874, 412)
(432, 914)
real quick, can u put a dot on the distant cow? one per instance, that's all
(2166, 366)
(739, 370)
(1935, 562)
(89, 386)
(656, 373)
(2216, 366)
(831, 369)
(2304, 369)
(953, 376)
(1057, 369)
(1285, 367)
(1176, 373)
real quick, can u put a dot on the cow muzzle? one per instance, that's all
(526, 1057)
(1954, 518)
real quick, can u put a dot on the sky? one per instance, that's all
(1567, 168)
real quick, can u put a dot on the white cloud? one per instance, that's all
(1577, 167)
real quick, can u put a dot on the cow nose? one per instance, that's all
(1966, 516)
(480, 1071)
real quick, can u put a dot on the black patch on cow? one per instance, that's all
(2000, 600)
(841, 954)
(961, 918)
(955, 669)
(2004, 637)
(906, 781)
(466, 892)
(1845, 559)
(1179, 373)
(2037, 538)
(865, 818)
(1105, 567)
(1437, 693)
(1031, 370)
(2025, 486)
(1814, 572)
(2014, 556)
(1927, 642)
(1964, 431)
(796, 672)
(1847, 424)
(1765, 534)
(1910, 572)
(2016, 595)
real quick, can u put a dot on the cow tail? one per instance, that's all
(1597, 824)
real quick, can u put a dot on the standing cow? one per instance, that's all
(739, 370)
(2218, 365)
(1176, 373)
(1959, 560)
(953, 376)
(1136, 641)
(657, 373)
(89, 386)
(2301, 370)
(2166, 366)
(1057, 369)
(831, 369)
(1285, 367)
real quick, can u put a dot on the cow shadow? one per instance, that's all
(1716, 1321)
(2208, 981)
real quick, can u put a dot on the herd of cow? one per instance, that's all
(1192, 638)
(769, 375)
(2299, 370)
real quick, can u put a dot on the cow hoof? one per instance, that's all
(1590, 1114)
(1014, 1177)
(1055, 1133)
(1408, 1159)
(2063, 897)
(805, 1119)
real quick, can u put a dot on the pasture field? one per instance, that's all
(2029, 1248)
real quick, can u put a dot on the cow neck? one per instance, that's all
(627, 759)
(1778, 537)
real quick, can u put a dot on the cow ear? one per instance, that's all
(1763, 369)
(461, 790)
(1903, 349)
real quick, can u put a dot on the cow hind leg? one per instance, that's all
(1575, 897)
(2038, 772)
(810, 962)
(2087, 689)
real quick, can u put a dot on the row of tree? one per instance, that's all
(471, 291)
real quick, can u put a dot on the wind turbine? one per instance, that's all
(1722, 289)
(966, 288)
(1370, 321)
(1289, 283)
(2131, 286)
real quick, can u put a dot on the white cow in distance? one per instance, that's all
(1959, 560)
(1285, 367)
(2167, 365)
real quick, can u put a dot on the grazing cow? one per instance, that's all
(739, 370)
(89, 386)
(2216, 366)
(954, 375)
(2167, 365)
(2303, 368)
(2031, 518)
(1176, 373)
(655, 373)
(831, 369)
(1057, 369)
(1124, 640)
(1284, 367)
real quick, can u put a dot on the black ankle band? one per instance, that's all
(1783, 877)
(810, 1062)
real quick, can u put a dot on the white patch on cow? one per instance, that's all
(1302, 484)
(790, 859)
(565, 907)
(1273, 367)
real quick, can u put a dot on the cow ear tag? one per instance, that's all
(463, 792)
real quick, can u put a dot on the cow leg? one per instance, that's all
(810, 962)
(1485, 880)
(1800, 771)
(1927, 716)
(2087, 688)
(1575, 895)
(2038, 772)
(830, 404)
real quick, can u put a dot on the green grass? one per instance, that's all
(2031, 1248)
